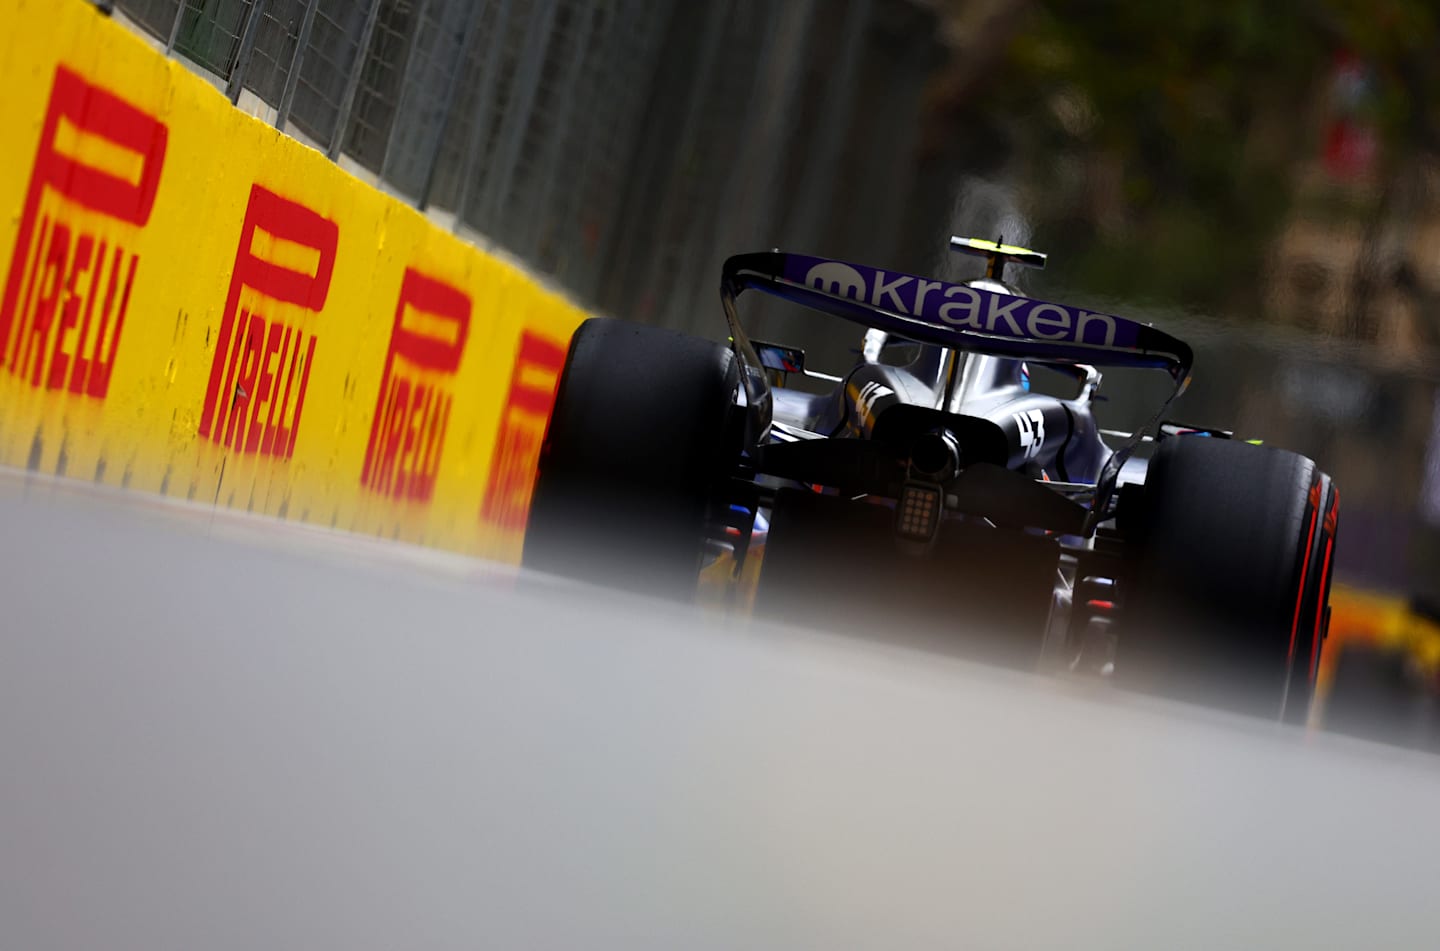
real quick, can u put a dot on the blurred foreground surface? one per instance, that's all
(222, 733)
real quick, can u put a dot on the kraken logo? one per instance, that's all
(842, 280)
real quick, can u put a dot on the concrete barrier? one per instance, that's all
(198, 306)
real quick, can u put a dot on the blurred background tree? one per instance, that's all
(1164, 149)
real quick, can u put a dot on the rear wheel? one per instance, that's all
(1229, 577)
(639, 449)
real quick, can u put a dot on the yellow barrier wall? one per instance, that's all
(198, 306)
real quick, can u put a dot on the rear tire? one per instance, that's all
(639, 449)
(1229, 578)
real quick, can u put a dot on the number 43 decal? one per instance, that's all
(1032, 431)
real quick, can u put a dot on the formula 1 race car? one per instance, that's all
(932, 492)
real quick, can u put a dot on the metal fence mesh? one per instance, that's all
(209, 32)
(276, 37)
(156, 17)
(426, 94)
(377, 94)
(620, 147)
(328, 63)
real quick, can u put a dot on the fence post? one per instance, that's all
(748, 192)
(175, 27)
(236, 81)
(352, 84)
(517, 114)
(484, 103)
(452, 90)
(656, 264)
(413, 63)
(292, 76)
(562, 130)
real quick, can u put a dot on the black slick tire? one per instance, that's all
(1228, 585)
(638, 451)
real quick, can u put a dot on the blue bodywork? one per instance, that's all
(975, 340)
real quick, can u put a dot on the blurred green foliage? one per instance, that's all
(1162, 146)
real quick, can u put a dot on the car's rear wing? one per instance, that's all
(960, 316)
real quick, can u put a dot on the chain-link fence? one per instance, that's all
(620, 147)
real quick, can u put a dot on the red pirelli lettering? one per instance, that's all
(261, 370)
(522, 429)
(68, 287)
(412, 412)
